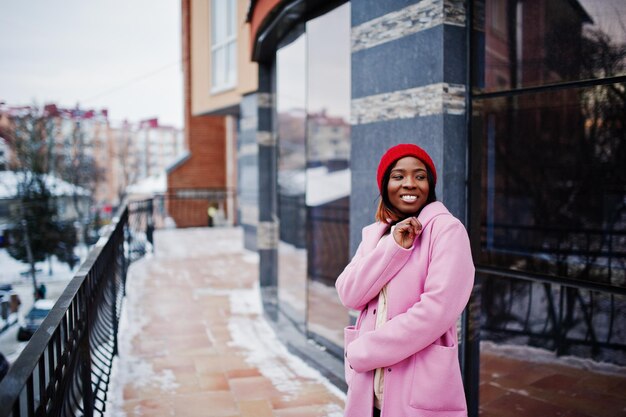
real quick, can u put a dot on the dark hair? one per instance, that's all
(386, 210)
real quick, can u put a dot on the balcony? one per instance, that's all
(181, 331)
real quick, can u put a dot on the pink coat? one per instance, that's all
(429, 285)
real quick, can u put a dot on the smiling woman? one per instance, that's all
(410, 280)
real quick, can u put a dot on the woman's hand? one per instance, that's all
(406, 231)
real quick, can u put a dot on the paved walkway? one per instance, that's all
(532, 383)
(193, 342)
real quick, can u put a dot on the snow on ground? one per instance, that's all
(11, 269)
(266, 352)
(538, 355)
(126, 367)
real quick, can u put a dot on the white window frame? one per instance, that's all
(224, 77)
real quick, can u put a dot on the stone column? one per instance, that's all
(267, 229)
(408, 86)
(248, 167)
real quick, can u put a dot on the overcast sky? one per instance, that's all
(122, 55)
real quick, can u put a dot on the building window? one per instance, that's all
(313, 130)
(548, 140)
(223, 45)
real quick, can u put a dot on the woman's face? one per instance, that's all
(408, 185)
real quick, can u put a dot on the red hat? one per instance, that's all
(400, 151)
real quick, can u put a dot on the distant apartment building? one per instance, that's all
(157, 147)
(138, 151)
(88, 149)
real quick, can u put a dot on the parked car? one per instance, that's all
(34, 318)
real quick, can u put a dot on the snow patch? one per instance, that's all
(128, 369)
(538, 355)
(15, 272)
(268, 354)
(333, 410)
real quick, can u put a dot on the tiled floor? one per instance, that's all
(193, 342)
(512, 387)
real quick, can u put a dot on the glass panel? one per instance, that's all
(231, 74)
(530, 43)
(231, 18)
(569, 321)
(218, 64)
(290, 107)
(328, 169)
(218, 22)
(554, 183)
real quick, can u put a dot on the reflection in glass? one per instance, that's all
(520, 44)
(569, 321)
(553, 201)
(291, 120)
(328, 170)
(554, 183)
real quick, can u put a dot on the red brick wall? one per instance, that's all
(205, 137)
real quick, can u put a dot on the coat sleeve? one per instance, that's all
(367, 274)
(447, 289)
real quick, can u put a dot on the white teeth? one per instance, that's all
(409, 198)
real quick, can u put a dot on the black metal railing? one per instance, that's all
(64, 369)
(566, 317)
(554, 288)
(140, 231)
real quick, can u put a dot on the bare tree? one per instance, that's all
(34, 235)
(125, 155)
(78, 167)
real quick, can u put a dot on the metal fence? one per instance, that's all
(64, 370)
(555, 288)
(569, 318)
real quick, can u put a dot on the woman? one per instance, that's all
(410, 279)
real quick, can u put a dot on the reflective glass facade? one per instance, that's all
(290, 128)
(328, 170)
(312, 89)
(549, 142)
(521, 44)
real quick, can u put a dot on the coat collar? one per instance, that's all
(374, 232)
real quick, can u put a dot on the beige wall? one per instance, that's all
(202, 101)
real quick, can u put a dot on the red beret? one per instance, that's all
(400, 151)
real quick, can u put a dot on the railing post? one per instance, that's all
(85, 373)
(149, 223)
(118, 250)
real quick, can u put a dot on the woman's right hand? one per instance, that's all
(406, 231)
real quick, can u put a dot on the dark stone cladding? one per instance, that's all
(412, 61)
(366, 10)
(268, 262)
(247, 163)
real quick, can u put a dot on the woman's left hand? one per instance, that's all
(406, 231)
